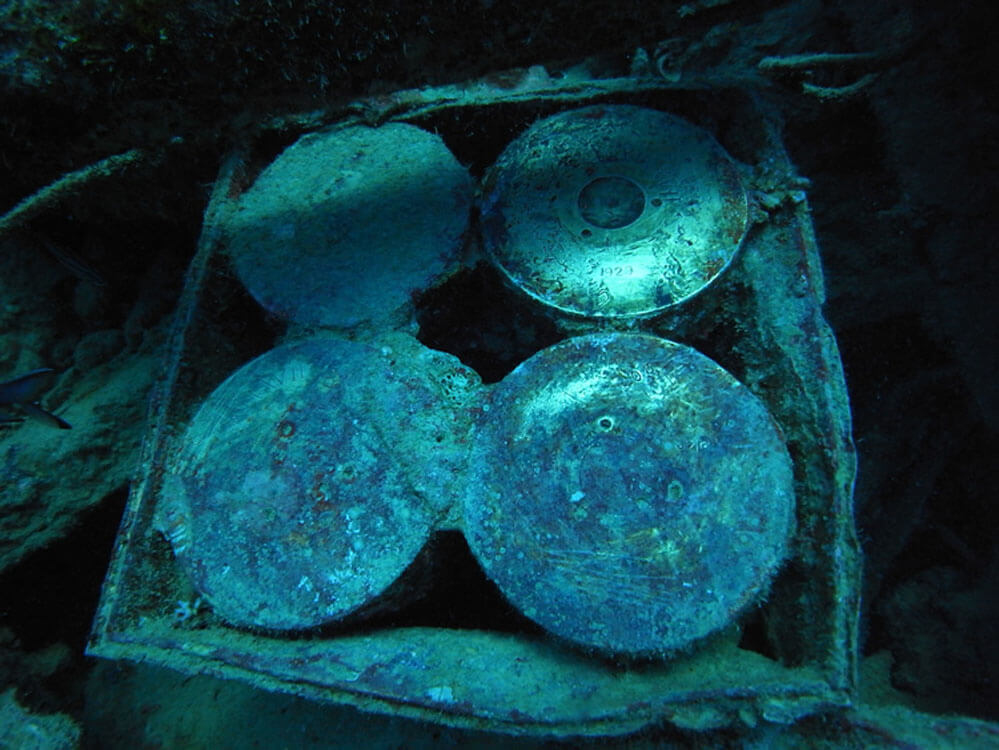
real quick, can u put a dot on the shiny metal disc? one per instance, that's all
(344, 226)
(627, 493)
(613, 211)
(311, 478)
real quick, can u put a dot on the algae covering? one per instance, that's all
(652, 499)
(733, 475)
(303, 488)
(361, 214)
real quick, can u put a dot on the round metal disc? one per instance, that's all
(627, 493)
(344, 226)
(310, 479)
(613, 211)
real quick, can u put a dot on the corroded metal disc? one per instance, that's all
(345, 225)
(628, 494)
(613, 211)
(312, 477)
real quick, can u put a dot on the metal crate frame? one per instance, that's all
(780, 346)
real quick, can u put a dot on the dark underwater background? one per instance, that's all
(903, 202)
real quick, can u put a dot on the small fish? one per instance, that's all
(23, 393)
(75, 264)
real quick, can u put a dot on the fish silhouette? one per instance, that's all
(23, 393)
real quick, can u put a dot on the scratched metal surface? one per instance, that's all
(613, 211)
(629, 494)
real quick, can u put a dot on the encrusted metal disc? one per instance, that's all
(312, 476)
(345, 225)
(613, 211)
(627, 493)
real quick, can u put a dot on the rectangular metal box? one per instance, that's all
(795, 656)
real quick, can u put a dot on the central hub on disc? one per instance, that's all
(613, 211)
(611, 202)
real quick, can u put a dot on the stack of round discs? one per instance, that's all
(311, 478)
(345, 225)
(613, 211)
(627, 493)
